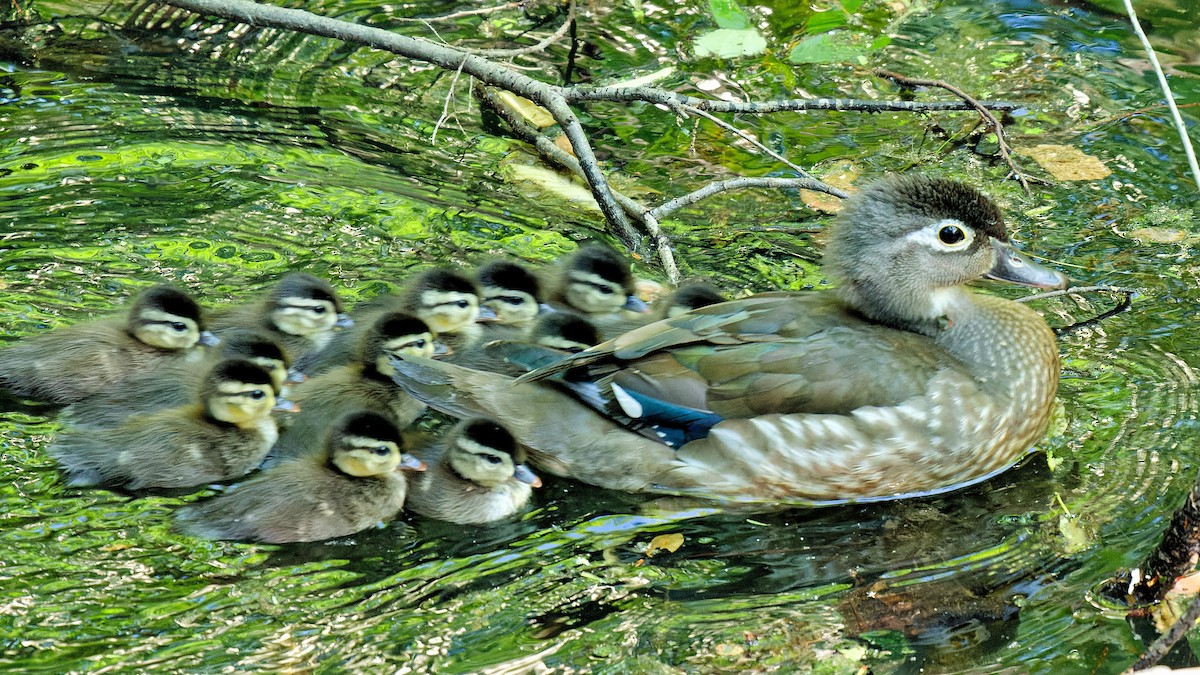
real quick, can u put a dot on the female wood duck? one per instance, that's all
(363, 385)
(301, 312)
(174, 383)
(72, 363)
(902, 382)
(476, 475)
(223, 436)
(351, 486)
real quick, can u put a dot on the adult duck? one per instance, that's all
(902, 382)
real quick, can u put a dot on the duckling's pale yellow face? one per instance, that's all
(592, 293)
(510, 305)
(240, 403)
(418, 344)
(480, 464)
(362, 456)
(563, 343)
(304, 316)
(448, 311)
(165, 330)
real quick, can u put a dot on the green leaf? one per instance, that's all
(825, 48)
(728, 14)
(728, 43)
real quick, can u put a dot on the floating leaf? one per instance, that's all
(841, 176)
(1159, 235)
(532, 112)
(834, 47)
(664, 542)
(728, 43)
(1066, 163)
(728, 14)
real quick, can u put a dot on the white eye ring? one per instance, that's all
(952, 235)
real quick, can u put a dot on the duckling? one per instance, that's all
(301, 312)
(175, 382)
(364, 385)
(511, 291)
(685, 298)
(74, 362)
(595, 281)
(350, 486)
(448, 302)
(555, 336)
(901, 382)
(223, 435)
(476, 475)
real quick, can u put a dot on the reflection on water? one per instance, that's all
(219, 160)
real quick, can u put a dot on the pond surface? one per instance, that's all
(139, 143)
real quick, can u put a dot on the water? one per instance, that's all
(140, 143)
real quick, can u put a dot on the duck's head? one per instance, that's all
(691, 296)
(445, 300)
(395, 334)
(238, 392)
(302, 304)
(366, 444)
(903, 246)
(167, 318)
(509, 290)
(483, 452)
(566, 331)
(596, 280)
(260, 348)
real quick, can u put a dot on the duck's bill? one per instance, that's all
(283, 405)
(635, 304)
(410, 463)
(1015, 268)
(343, 321)
(523, 474)
(487, 315)
(296, 377)
(208, 339)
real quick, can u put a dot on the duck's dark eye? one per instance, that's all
(319, 309)
(178, 326)
(462, 304)
(419, 344)
(605, 290)
(951, 235)
(257, 394)
(381, 450)
(492, 459)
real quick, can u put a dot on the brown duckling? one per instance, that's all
(175, 382)
(74, 362)
(350, 486)
(363, 385)
(223, 435)
(511, 291)
(448, 302)
(684, 299)
(301, 311)
(595, 281)
(555, 336)
(476, 475)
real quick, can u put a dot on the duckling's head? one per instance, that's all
(444, 299)
(596, 280)
(238, 392)
(395, 334)
(302, 304)
(167, 318)
(566, 331)
(258, 347)
(483, 452)
(363, 444)
(903, 245)
(510, 290)
(691, 296)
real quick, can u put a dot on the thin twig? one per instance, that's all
(807, 183)
(656, 96)
(445, 107)
(554, 37)
(1078, 289)
(1001, 142)
(746, 137)
(1167, 640)
(1166, 88)
(464, 13)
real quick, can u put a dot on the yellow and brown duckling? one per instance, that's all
(684, 299)
(301, 311)
(511, 291)
(174, 382)
(595, 281)
(901, 382)
(353, 484)
(222, 436)
(74, 362)
(555, 336)
(476, 475)
(363, 385)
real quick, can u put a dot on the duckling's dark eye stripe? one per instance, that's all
(595, 285)
(511, 299)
